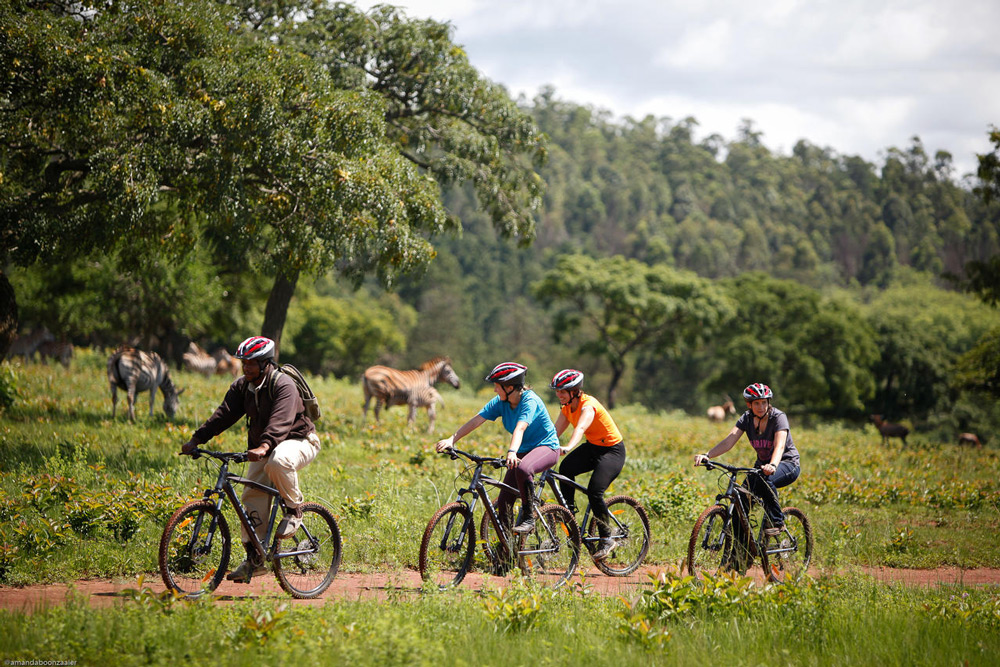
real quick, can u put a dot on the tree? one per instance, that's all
(619, 306)
(440, 113)
(139, 121)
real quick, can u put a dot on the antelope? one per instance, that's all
(61, 351)
(889, 430)
(134, 371)
(27, 345)
(394, 387)
(225, 363)
(717, 413)
(969, 439)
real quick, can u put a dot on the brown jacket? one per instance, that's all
(274, 415)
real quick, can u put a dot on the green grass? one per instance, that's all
(85, 496)
(82, 495)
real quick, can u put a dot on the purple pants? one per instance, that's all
(537, 460)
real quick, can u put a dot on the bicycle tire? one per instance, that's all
(448, 545)
(307, 575)
(786, 566)
(191, 561)
(632, 546)
(554, 545)
(713, 548)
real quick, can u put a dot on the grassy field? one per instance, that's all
(82, 495)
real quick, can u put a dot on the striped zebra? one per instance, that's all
(60, 350)
(394, 387)
(197, 360)
(134, 371)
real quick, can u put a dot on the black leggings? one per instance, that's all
(606, 462)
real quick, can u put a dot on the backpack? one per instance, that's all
(308, 397)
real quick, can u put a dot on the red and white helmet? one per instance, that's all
(256, 347)
(567, 378)
(508, 372)
(757, 390)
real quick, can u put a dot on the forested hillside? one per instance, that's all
(672, 270)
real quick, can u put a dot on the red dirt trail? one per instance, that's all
(405, 583)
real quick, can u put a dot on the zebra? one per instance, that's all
(134, 371)
(198, 360)
(60, 350)
(394, 387)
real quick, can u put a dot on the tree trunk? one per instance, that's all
(276, 310)
(8, 315)
(617, 371)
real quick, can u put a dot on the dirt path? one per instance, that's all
(405, 583)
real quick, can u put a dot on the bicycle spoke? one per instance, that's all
(314, 554)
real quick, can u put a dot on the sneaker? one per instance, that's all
(525, 526)
(290, 523)
(605, 547)
(242, 573)
(774, 531)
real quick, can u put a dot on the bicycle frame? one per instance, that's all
(224, 490)
(550, 477)
(730, 501)
(477, 487)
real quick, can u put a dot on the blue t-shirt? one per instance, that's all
(541, 432)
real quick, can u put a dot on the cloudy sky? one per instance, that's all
(858, 76)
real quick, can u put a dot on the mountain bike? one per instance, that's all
(549, 553)
(730, 534)
(196, 543)
(629, 526)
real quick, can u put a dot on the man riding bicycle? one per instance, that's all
(281, 440)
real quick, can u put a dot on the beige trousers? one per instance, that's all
(279, 470)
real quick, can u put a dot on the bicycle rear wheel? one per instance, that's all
(714, 547)
(316, 553)
(788, 554)
(194, 549)
(551, 551)
(448, 545)
(630, 530)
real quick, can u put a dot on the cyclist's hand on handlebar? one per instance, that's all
(512, 460)
(257, 453)
(700, 459)
(189, 448)
(444, 445)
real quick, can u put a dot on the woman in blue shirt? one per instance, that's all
(534, 445)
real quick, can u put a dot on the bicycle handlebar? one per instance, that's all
(711, 465)
(454, 453)
(232, 457)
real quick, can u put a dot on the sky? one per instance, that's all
(856, 76)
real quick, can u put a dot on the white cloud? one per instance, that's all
(701, 47)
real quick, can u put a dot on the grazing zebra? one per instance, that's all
(394, 387)
(135, 371)
(26, 346)
(60, 350)
(198, 360)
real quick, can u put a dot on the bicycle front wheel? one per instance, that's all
(714, 548)
(194, 549)
(307, 561)
(788, 554)
(447, 547)
(630, 531)
(551, 551)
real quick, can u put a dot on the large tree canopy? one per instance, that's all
(157, 122)
(613, 308)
